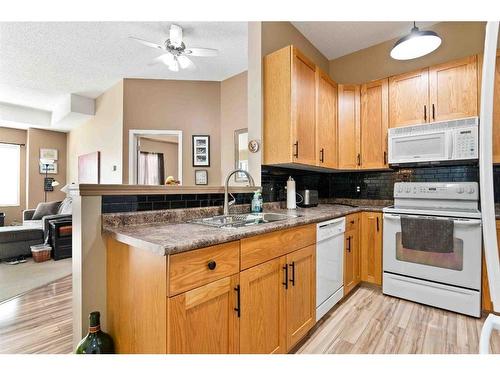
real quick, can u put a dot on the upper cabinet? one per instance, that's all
(374, 124)
(326, 121)
(409, 98)
(442, 92)
(349, 127)
(299, 111)
(453, 89)
(289, 108)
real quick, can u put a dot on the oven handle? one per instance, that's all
(464, 222)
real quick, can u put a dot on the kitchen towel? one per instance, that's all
(427, 234)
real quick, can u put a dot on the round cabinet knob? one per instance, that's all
(211, 265)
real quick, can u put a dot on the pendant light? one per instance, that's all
(416, 44)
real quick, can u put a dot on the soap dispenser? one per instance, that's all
(257, 202)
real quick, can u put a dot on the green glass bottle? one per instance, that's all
(96, 341)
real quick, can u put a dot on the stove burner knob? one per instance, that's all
(470, 190)
(400, 189)
(460, 190)
(408, 189)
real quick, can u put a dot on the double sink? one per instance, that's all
(242, 220)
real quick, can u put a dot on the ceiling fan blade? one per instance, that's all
(186, 63)
(173, 67)
(146, 43)
(162, 59)
(175, 35)
(201, 52)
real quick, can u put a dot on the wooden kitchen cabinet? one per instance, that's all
(371, 247)
(348, 127)
(326, 121)
(300, 294)
(205, 320)
(453, 89)
(352, 267)
(374, 124)
(263, 322)
(289, 108)
(409, 98)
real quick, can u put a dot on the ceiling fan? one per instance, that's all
(176, 54)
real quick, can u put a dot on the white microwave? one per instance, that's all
(444, 141)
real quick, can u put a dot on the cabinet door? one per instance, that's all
(326, 122)
(374, 124)
(301, 294)
(352, 269)
(371, 247)
(409, 98)
(348, 127)
(263, 323)
(303, 109)
(496, 104)
(204, 320)
(453, 89)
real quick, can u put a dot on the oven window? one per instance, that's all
(452, 261)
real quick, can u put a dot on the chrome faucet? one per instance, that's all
(226, 188)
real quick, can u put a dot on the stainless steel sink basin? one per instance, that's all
(242, 220)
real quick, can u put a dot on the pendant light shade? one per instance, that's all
(416, 44)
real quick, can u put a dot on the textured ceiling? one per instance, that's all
(335, 39)
(41, 62)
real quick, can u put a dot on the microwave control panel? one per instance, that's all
(465, 143)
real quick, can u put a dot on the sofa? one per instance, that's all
(16, 240)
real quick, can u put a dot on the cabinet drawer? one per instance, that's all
(199, 267)
(351, 222)
(259, 249)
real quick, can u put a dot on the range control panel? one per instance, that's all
(437, 190)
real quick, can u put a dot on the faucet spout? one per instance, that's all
(226, 186)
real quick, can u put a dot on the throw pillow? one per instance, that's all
(65, 207)
(45, 209)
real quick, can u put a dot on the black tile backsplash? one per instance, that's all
(131, 203)
(363, 184)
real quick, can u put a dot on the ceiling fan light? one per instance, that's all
(167, 58)
(184, 62)
(174, 67)
(416, 44)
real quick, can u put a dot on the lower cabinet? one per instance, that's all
(352, 271)
(371, 247)
(278, 302)
(205, 320)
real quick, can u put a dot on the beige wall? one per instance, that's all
(233, 116)
(276, 35)
(170, 152)
(8, 135)
(101, 133)
(190, 106)
(37, 139)
(460, 39)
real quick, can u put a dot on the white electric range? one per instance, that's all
(447, 279)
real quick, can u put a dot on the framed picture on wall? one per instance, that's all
(48, 168)
(201, 151)
(48, 153)
(201, 177)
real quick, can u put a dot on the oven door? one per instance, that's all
(462, 267)
(427, 147)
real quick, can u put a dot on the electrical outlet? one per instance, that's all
(358, 189)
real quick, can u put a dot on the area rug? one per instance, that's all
(23, 277)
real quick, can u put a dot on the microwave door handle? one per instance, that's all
(450, 151)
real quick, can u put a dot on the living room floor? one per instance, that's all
(39, 321)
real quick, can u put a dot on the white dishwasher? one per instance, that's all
(329, 265)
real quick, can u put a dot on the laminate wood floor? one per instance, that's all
(370, 322)
(39, 321)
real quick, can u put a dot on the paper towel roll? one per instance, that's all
(291, 202)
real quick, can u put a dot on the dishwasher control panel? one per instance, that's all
(330, 228)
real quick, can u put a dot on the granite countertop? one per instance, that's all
(171, 238)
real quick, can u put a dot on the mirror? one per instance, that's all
(157, 157)
(241, 153)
